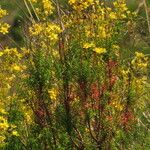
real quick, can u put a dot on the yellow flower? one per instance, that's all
(115, 47)
(142, 65)
(112, 15)
(102, 32)
(123, 16)
(139, 55)
(15, 133)
(118, 106)
(81, 5)
(53, 93)
(28, 117)
(13, 126)
(2, 119)
(36, 29)
(48, 8)
(125, 72)
(51, 31)
(121, 8)
(2, 138)
(47, 31)
(43, 8)
(72, 1)
(99, 50)
(88, 45)
(4, 125)
(2, 13)
(1, 53)
(16, 67)
(2, 111)
(4, 27)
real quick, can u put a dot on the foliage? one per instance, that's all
(78, 86)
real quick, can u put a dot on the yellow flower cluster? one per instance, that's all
(98, 50)
(113, 15)
(11, 51)
(36, 29)
(140, 66)
(118, 106)
(88, 45)
(15, 133)
(10, 56)
(48, 31)
(53, 93)
(115, 47)
(125, 73)
(1, 54)
(140, 62)
(2, 13)
(100, 22)
(81, 4)
(3, 124)
(47, 6)
(43, 8)
(121, 9)
(16, 67)
(11, 61)
(103, 33)
(4, 27)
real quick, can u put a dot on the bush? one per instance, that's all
(78, 85)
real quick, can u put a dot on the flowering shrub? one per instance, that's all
(75, 87)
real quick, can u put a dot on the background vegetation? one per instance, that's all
(74, 75)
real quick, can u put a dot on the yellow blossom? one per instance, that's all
(142, 65)
(45, 30)
(2, 111)
(88, 45)
(2, 138)
(115, 47)
(121, 8)
(102, 32)
(15, 133)
(99, 50)
(2, 13)
(43, 8)
(117, 105)
(13, 126)
(72, 1)
(1, 53)
(125, 73)
(16, 67)
(4, 125)
(48, 8)
(36, 29)
(53, 93)
(139, 55)
(81, 5)
(112, 15)
(4, 27)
